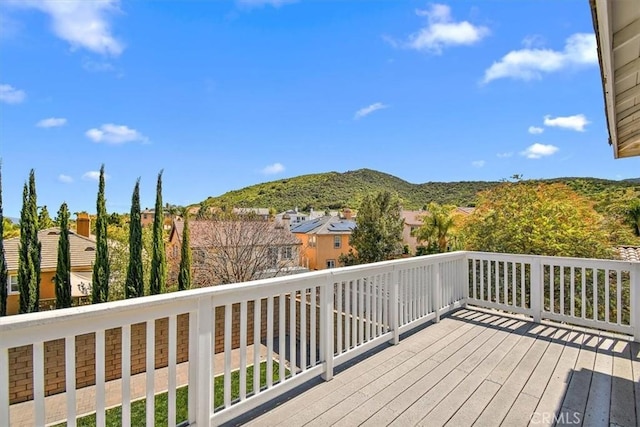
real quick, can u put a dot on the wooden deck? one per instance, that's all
(478, 368)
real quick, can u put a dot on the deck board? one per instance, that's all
(478, 367)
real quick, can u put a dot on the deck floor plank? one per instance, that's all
(478, 367)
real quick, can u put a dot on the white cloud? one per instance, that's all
(535, 130)
(11, 95)
(442, 31)
(576, 122)
(260, 3)
(94, 176)
(97, 66)
(528, 64)
(363, 112)
(67, 179)
(52, 122)
(82, 23)
(115, 134)
(505, 155)
(273, 169)
(537, 151)
(478, 163)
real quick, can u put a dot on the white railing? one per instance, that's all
(304, 324)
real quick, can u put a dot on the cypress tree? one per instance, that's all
(158, 256)
(100, 279)
(29, 252)
(134, 287)
(62, 278)
(184, 276)
(4, 276)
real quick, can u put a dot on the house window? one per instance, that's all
(331, 263)
(287, 252)
(312, 241)
(12, 284)
(175, 250)
(337, 242)
(272, 257)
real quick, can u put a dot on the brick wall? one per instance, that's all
(21, 358)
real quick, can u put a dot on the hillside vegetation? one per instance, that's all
(334, 190)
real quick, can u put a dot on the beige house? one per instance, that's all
(82, 248)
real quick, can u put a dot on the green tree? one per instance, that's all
(633, 216)
(538, 219)
(10, 230)
(184, 276)
(134, 286)
(30, 249)
(3, 262)
(62, 278)
(100, 279)
(44, 220)
(437, 226)
(158, 255)
(378, 232)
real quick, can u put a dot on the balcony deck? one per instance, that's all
(478, 367)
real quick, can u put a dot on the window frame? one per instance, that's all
(331, 263)
(10, 283)
(337, 242)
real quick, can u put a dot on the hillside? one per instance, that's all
(334, 190)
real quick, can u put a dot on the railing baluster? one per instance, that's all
(228, 317)
(100, 379)
(368, 318)
(607, 301)
(551, 288)
(375, 286)
(523, 299)
(583, 302)
(482, 280)
(4, 387)
(561, 267)
(257, 338)
(171, 408)
(347, 315)
(126, 374)
(595, 294)
(505, 284)
(303, 329)
(619, 296)
(150, 370)
(243, 350)
(354, 313)
(204, 326)
(70, 378)
(270, 311)
(489, 284)
(313, 327)
(282, 347)
(514, 285)
(292, 333)
(573, 291)
(361, 311)
(38, 382)
(339, 289)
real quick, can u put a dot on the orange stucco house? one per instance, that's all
(82, 250)
(323, 240)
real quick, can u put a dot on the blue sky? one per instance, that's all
(225, 94)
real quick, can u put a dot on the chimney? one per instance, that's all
(347, 213)
(286, 222)
(83, 224)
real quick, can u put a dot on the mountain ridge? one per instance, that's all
(335, 190)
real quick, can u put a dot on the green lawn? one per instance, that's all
(138, 408)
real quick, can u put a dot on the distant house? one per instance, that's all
(412, 221)
(295, 217)
(262, 214)
(323, 240)
(628, 253)
(82, 249)
(235, 251)
(147, 216)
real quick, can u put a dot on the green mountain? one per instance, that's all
(334, 190)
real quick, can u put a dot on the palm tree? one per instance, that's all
(437, 226)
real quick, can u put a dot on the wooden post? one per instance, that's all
(326, 328)
(394, 315)
(536, 290)
(204, 399)
(634, 273)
